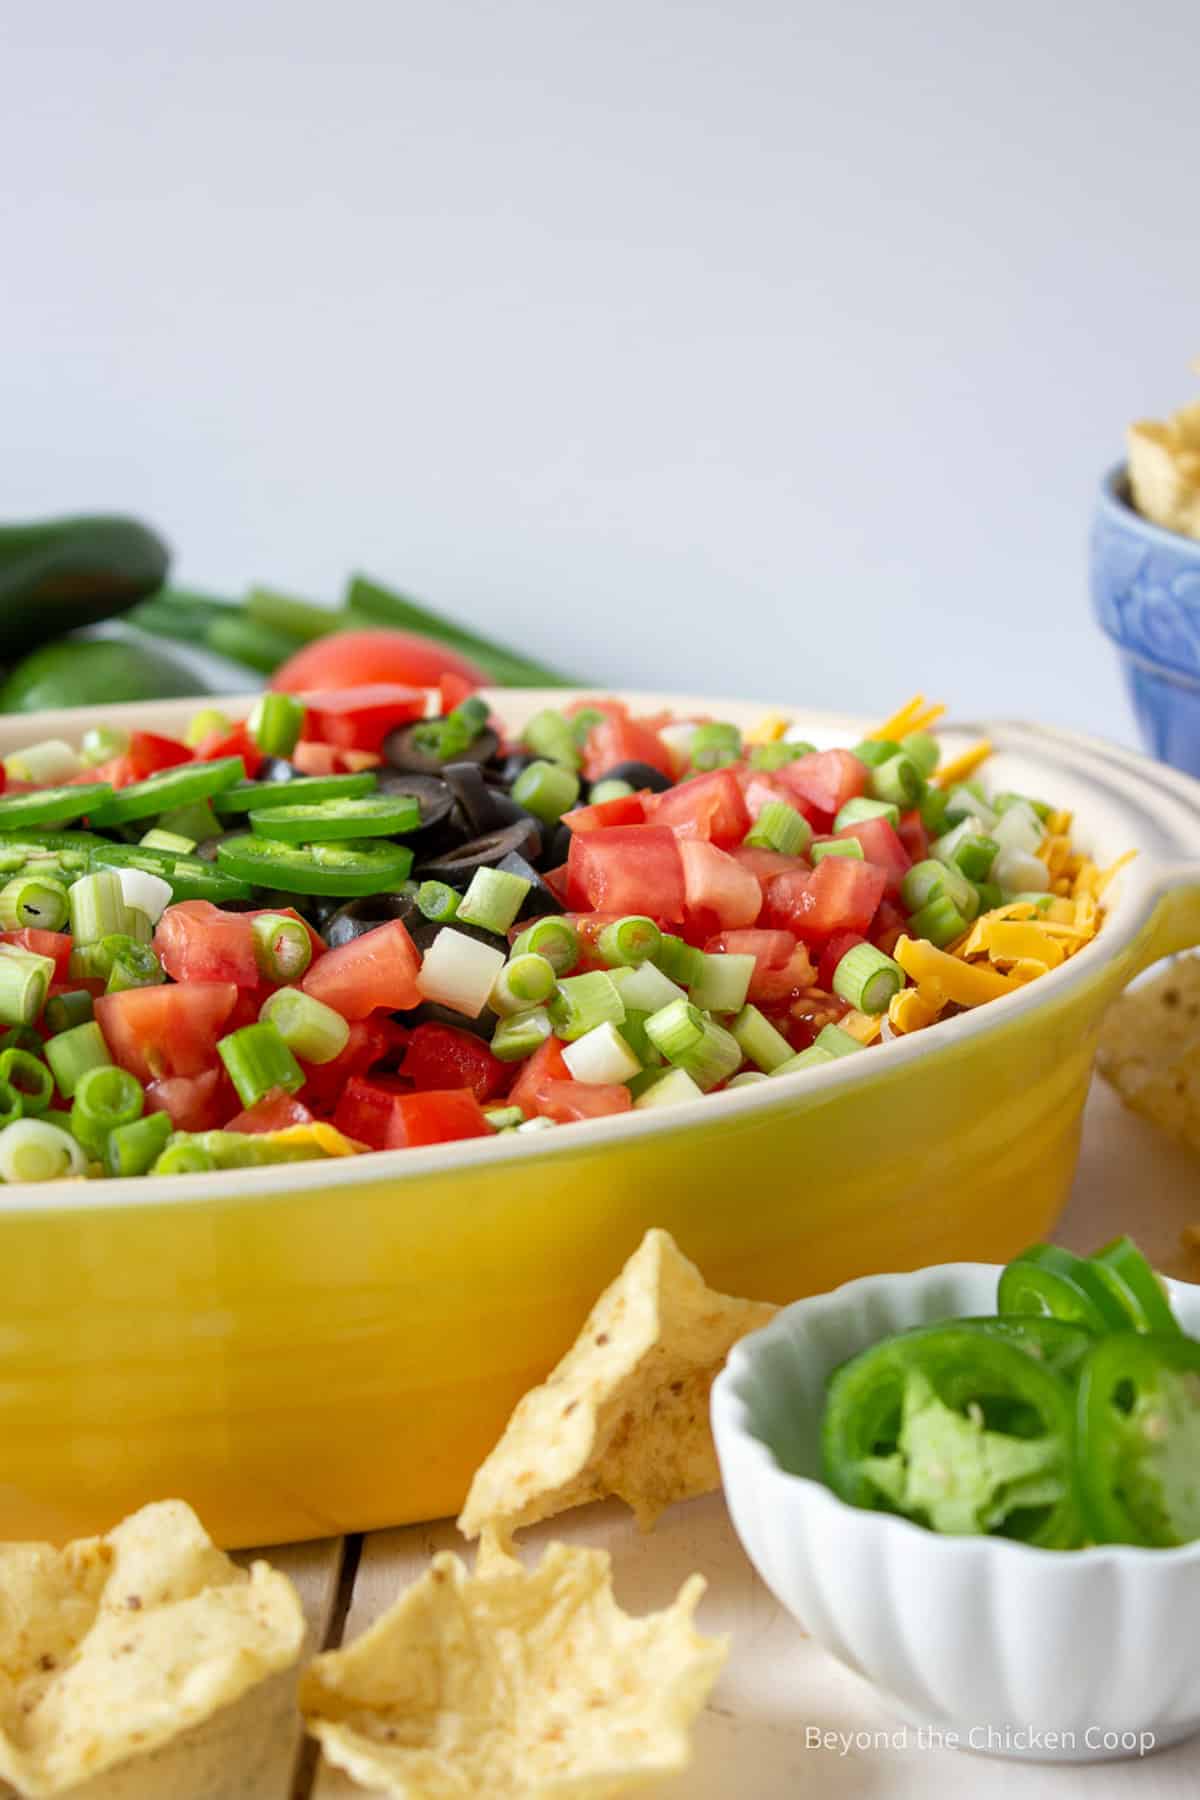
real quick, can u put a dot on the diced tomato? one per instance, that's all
(888, 926)
(56, 944)
(622, 739)
(832, 954)
(347, 659)
(192, 1102)
(316, 759)
(707, 806)
(197, 941)
(453, 689)
(168, 1030)
(566, 1101)
(544, 1066)
(435, 1118)
(235, 742)
(443, 1056)
(717, 887)
(377, 969)
(913, 836)
(360, 718)
(371, 1041)
(365, 1107)
(759, 789)
(782, 965)
(558, 881)
(626, 809)
(275, 1112)
(882, 847)
(825, 778)
(764, 865)
(808, 1015)
(608, 704)
(627, 869)
(839, 895)
(147, 753)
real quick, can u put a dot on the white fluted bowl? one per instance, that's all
(1055, 1655)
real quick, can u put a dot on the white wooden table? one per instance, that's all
(751, 1740)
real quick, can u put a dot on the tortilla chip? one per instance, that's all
(520, 1682)
(1164, 471)
(626, 1410)
(115, 1645)
(1150, 1050)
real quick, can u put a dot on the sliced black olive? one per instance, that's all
(429, 791)
(638, 775)
(505, 771)
(540, 899)
(356, 917)
(276, 768)
(457, 866)
(403, 749)
(558, 847)
(487, 808)
(430, 1013)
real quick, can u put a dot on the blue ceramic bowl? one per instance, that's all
(1146, 593)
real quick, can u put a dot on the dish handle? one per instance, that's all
(1175, 916)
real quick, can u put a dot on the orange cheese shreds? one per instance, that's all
(769, 730)
(863, 1026)
(965, 764)
(912, 1009)
(1107, 876)
(918, 714)
(1014, 940)
(967, 984)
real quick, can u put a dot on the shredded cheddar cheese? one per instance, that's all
(769, 730)
(960, 767)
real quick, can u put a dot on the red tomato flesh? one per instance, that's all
(56, 944)
(619, 739)
(350, 659)
(566, 1101)
(359, 718)
(627, 869)
(626, 809)
(274, 1112)
(881, 846)
(708, 806)
(717, 887)
(839, 895)
(443, 1056)
(196, 941)
(378, 969)
(826, 779)
(545, 1065)
(193, 1102)
(782, 965)
(169, 1030)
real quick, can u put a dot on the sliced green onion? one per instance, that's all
(158, 839)
(310, 1029)
(25, 978)
(715, 745)
(1040, 900)
(493, 899)
(552, 938)
(1017, 872)
(967, 801)
(438, 901)
(35, 1150)
(758, 1039)
(634, 939)
(538, 1124)
(929, 880)
(1002, 802)
(723, 982)
(521, 1034)
(612, 789)
(867, 979)
(645, 988)
(46, 764)
(585, 1001)
(924, 750)
(875, 751)
(63, 1011)
(549, 734)
(104, 1099)
(72, 1053)
(205, 724)
(446, 739)
(28, 1074)
(138, 925)
(837, 1041)
(898, 780)
(33, 900)
(678, 960)
(259, 1061)
(837, 847)
(12, 1103)
(135, 966)
(276, 723)
(131, 1149)
(860, 808)
(504, 1118)
(101, 743)
(747, 1078)
(460, 972)
(282, 946)
(776, 756)
(780, 827)
(184, 1158)
(1019, 828)
(601, 1057)
(975, 855)
(812, 1058)
(582, 724)
(939, 920)
(688, 1037)
(547, 790)
(524, 981)
(147, 894)
(990, 895)
(633, 1029)
(671, 1088)
(22, 1037)
(97, 906)
(933, 810)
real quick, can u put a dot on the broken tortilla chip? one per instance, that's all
(114, 1645)
(1150, 1050)
(626, 1410)
(522, 1682)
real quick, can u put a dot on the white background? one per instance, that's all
(758, 346)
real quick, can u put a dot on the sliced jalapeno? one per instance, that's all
(68, 850)
(1138, 1440)
(248, 796)
(52, 806)
(373, 815)
(170, 789)
(1052, 1282)
(958, 1430)
(191, 878)
(356, 867)
(1058, 1344)
(1136, 1288)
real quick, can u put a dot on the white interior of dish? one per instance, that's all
(1121, 801)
